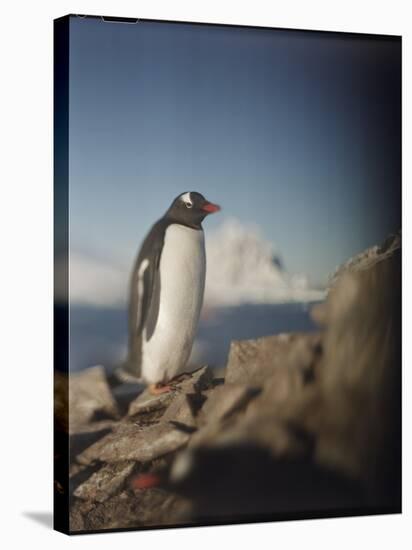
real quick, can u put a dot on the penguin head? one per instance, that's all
(191, 208)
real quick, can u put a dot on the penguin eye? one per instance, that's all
(188, 204)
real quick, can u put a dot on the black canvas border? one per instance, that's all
(61, 263)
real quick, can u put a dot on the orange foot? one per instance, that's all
(157, 389)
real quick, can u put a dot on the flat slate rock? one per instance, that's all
(105, 482)
(180, 411)
(131, 510)
(131, 442)
(196, 381)
(226, 400)
(88, 434)
(148, 403)
(187, 383)
(93, 427)
(90, 397)
(119, 511)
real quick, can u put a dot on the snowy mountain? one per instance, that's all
(242, 268)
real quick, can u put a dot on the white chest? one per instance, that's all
(182, 268)
(182, 280)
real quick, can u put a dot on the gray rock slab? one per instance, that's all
(93, 427)
(87, 435)
(89, 395)
(132, 510)
(148, 403)
(180, 411)
(186, 383)
(226, 400)
(196, 381)
(252, 362)
(105, 482)
(132, 442)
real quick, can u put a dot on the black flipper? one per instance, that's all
(144, 298)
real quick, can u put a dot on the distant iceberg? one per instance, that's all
(97, 282)
(243, 268)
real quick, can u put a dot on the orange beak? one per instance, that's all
(210, 207)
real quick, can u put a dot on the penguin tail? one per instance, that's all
(123, 375)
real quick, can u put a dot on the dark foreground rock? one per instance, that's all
(358, 425)
(302, 423)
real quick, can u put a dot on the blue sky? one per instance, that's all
(298, 132)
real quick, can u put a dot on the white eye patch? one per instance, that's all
(186, 198)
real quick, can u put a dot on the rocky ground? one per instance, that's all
(301, 424)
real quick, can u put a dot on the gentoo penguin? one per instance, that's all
(166, 292)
